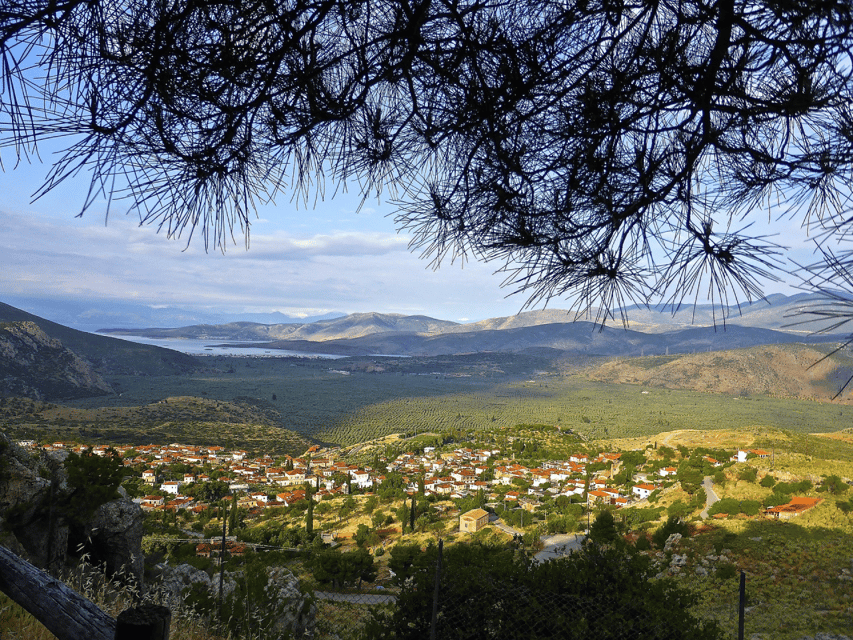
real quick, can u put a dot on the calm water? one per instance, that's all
(214, 348)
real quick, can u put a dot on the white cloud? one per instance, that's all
(297, 274)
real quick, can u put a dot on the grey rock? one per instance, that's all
(115, 533)
(176, 579)
(671, 541)
(25, 503)
(296, 612)
(701, 571)
(678, 560)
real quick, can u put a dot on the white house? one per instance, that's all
(643, 491)
(171, 486)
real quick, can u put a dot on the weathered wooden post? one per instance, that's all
(146, 622)
(63, 611)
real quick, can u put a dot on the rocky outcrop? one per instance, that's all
(27, 483)
(177, 581)
(34, 494)
(296, 612)
(291, 612)
(34, 365)
(115, 537)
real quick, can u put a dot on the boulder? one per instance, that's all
(671, 541)
(175, 580)
(115, 537)
(33, 508)
(296, 612)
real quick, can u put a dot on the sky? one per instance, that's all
(301, 261)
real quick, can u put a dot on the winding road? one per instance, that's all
(710, 496)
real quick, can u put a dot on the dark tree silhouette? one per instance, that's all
(607, 150)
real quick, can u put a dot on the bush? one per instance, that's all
(725, 505)
(609, 585)
(726, 571)
(603, 529)
(748, 473)
(776, 498)
(834, 484)
(678, 509)
(767, 481)
(673, 525)
(750, 507)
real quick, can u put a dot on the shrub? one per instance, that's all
(748, 473)
(610, 585)
(673, 525)
(678, 508)
(725, 505)
(726, 571)
(834, 484)
(777, 498)
(750, 507)
(767, 481)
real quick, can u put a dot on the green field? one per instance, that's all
(379, 396)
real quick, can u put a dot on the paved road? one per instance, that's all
(494, 520)
(710, 496)
(358, 598)
(559, 545)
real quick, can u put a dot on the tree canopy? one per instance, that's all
(497, 592)
(606, 150)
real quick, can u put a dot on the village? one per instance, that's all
(350, 526)
(168, 473)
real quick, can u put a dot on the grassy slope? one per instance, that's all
(793, 371)
(314, 399)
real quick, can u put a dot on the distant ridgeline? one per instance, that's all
(43, 360)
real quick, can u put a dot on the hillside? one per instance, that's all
(577, 338)
(354, 325)
(246, 423)
(33, 365)
(789, 371)
(108, 356)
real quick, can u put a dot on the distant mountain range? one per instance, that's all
(45, 360)
(92, 315)
(653, 331)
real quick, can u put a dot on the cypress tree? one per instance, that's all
(309, 514)
(232, 516)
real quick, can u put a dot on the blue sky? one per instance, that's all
(300, 262)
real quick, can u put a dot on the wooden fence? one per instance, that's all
(70, 616)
